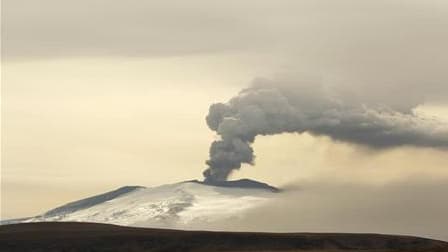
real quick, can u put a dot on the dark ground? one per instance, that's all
(70, 237)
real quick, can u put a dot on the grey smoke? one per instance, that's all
(275, 107)
(413, 206)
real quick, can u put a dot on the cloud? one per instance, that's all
(385, 47)
(414, 206)
(324, 29)
(270, 107)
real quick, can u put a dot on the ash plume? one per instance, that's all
(271, 107)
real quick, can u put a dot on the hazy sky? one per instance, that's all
(100, 94)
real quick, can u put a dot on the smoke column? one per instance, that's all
(268, 108)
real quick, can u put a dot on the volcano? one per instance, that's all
(175, 205)
(146, 219)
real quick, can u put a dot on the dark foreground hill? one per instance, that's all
(60, 236)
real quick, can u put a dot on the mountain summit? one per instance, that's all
(242, 183)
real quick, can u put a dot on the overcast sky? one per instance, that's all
(99, 94)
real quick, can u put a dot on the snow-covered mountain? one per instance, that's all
(179, 205)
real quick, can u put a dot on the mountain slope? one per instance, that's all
(91, 201)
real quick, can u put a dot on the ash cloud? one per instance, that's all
(273, 107)
(413, 206)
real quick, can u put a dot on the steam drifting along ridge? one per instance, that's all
(270, 107)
